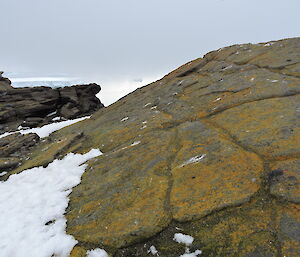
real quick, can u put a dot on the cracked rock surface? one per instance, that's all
(211, 150)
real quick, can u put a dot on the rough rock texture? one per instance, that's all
(211, 150)
(35, 106)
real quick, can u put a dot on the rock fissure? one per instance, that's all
(247, 102)
(175, 144)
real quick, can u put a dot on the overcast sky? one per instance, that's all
(115, 40)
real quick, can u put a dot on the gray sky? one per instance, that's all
(117, 40)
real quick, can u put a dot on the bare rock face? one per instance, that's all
(211, 150)
(32, 107)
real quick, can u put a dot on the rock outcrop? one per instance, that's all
(36, 106)
(211, 150)
(5, 83)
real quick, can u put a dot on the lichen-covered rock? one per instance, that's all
(211, 150)
(211, 172)
(285, 180)
(128, 205)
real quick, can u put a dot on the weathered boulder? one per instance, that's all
(211, 150)
(35, 106)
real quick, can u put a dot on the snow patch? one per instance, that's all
(135, 143)
(52, 113)
(269, 44)
(194, 159)
(183, 239)
(46, 130)
(152, 250)
(194, 254)
(125, 118)
(3, 173)
(97, 253)
(228, 67)
(33, 204)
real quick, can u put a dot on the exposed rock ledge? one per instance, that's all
(212, 150)
(35, 106)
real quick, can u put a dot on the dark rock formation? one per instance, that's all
(5, 83)
(35, 106)
(14, 149)
(16, 145)
(211, 150)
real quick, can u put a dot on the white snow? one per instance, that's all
(97, 253)
(187, 240)
(34, 198)
(218, 99)
(3, 173)
(147, 104)
(7, 134)
(194, 159)
(269, 44)
(275, 80)
(228, 67)
(125, 118)
(56, 118)
(46, 130)
(52, 113)
(152, 250)
(153, 107)
(135, 143)
(194, 254)
(183, 239)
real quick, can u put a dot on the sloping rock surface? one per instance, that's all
(36, 106)
(211, 150)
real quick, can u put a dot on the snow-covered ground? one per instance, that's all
(46, 130)
(32, 206)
